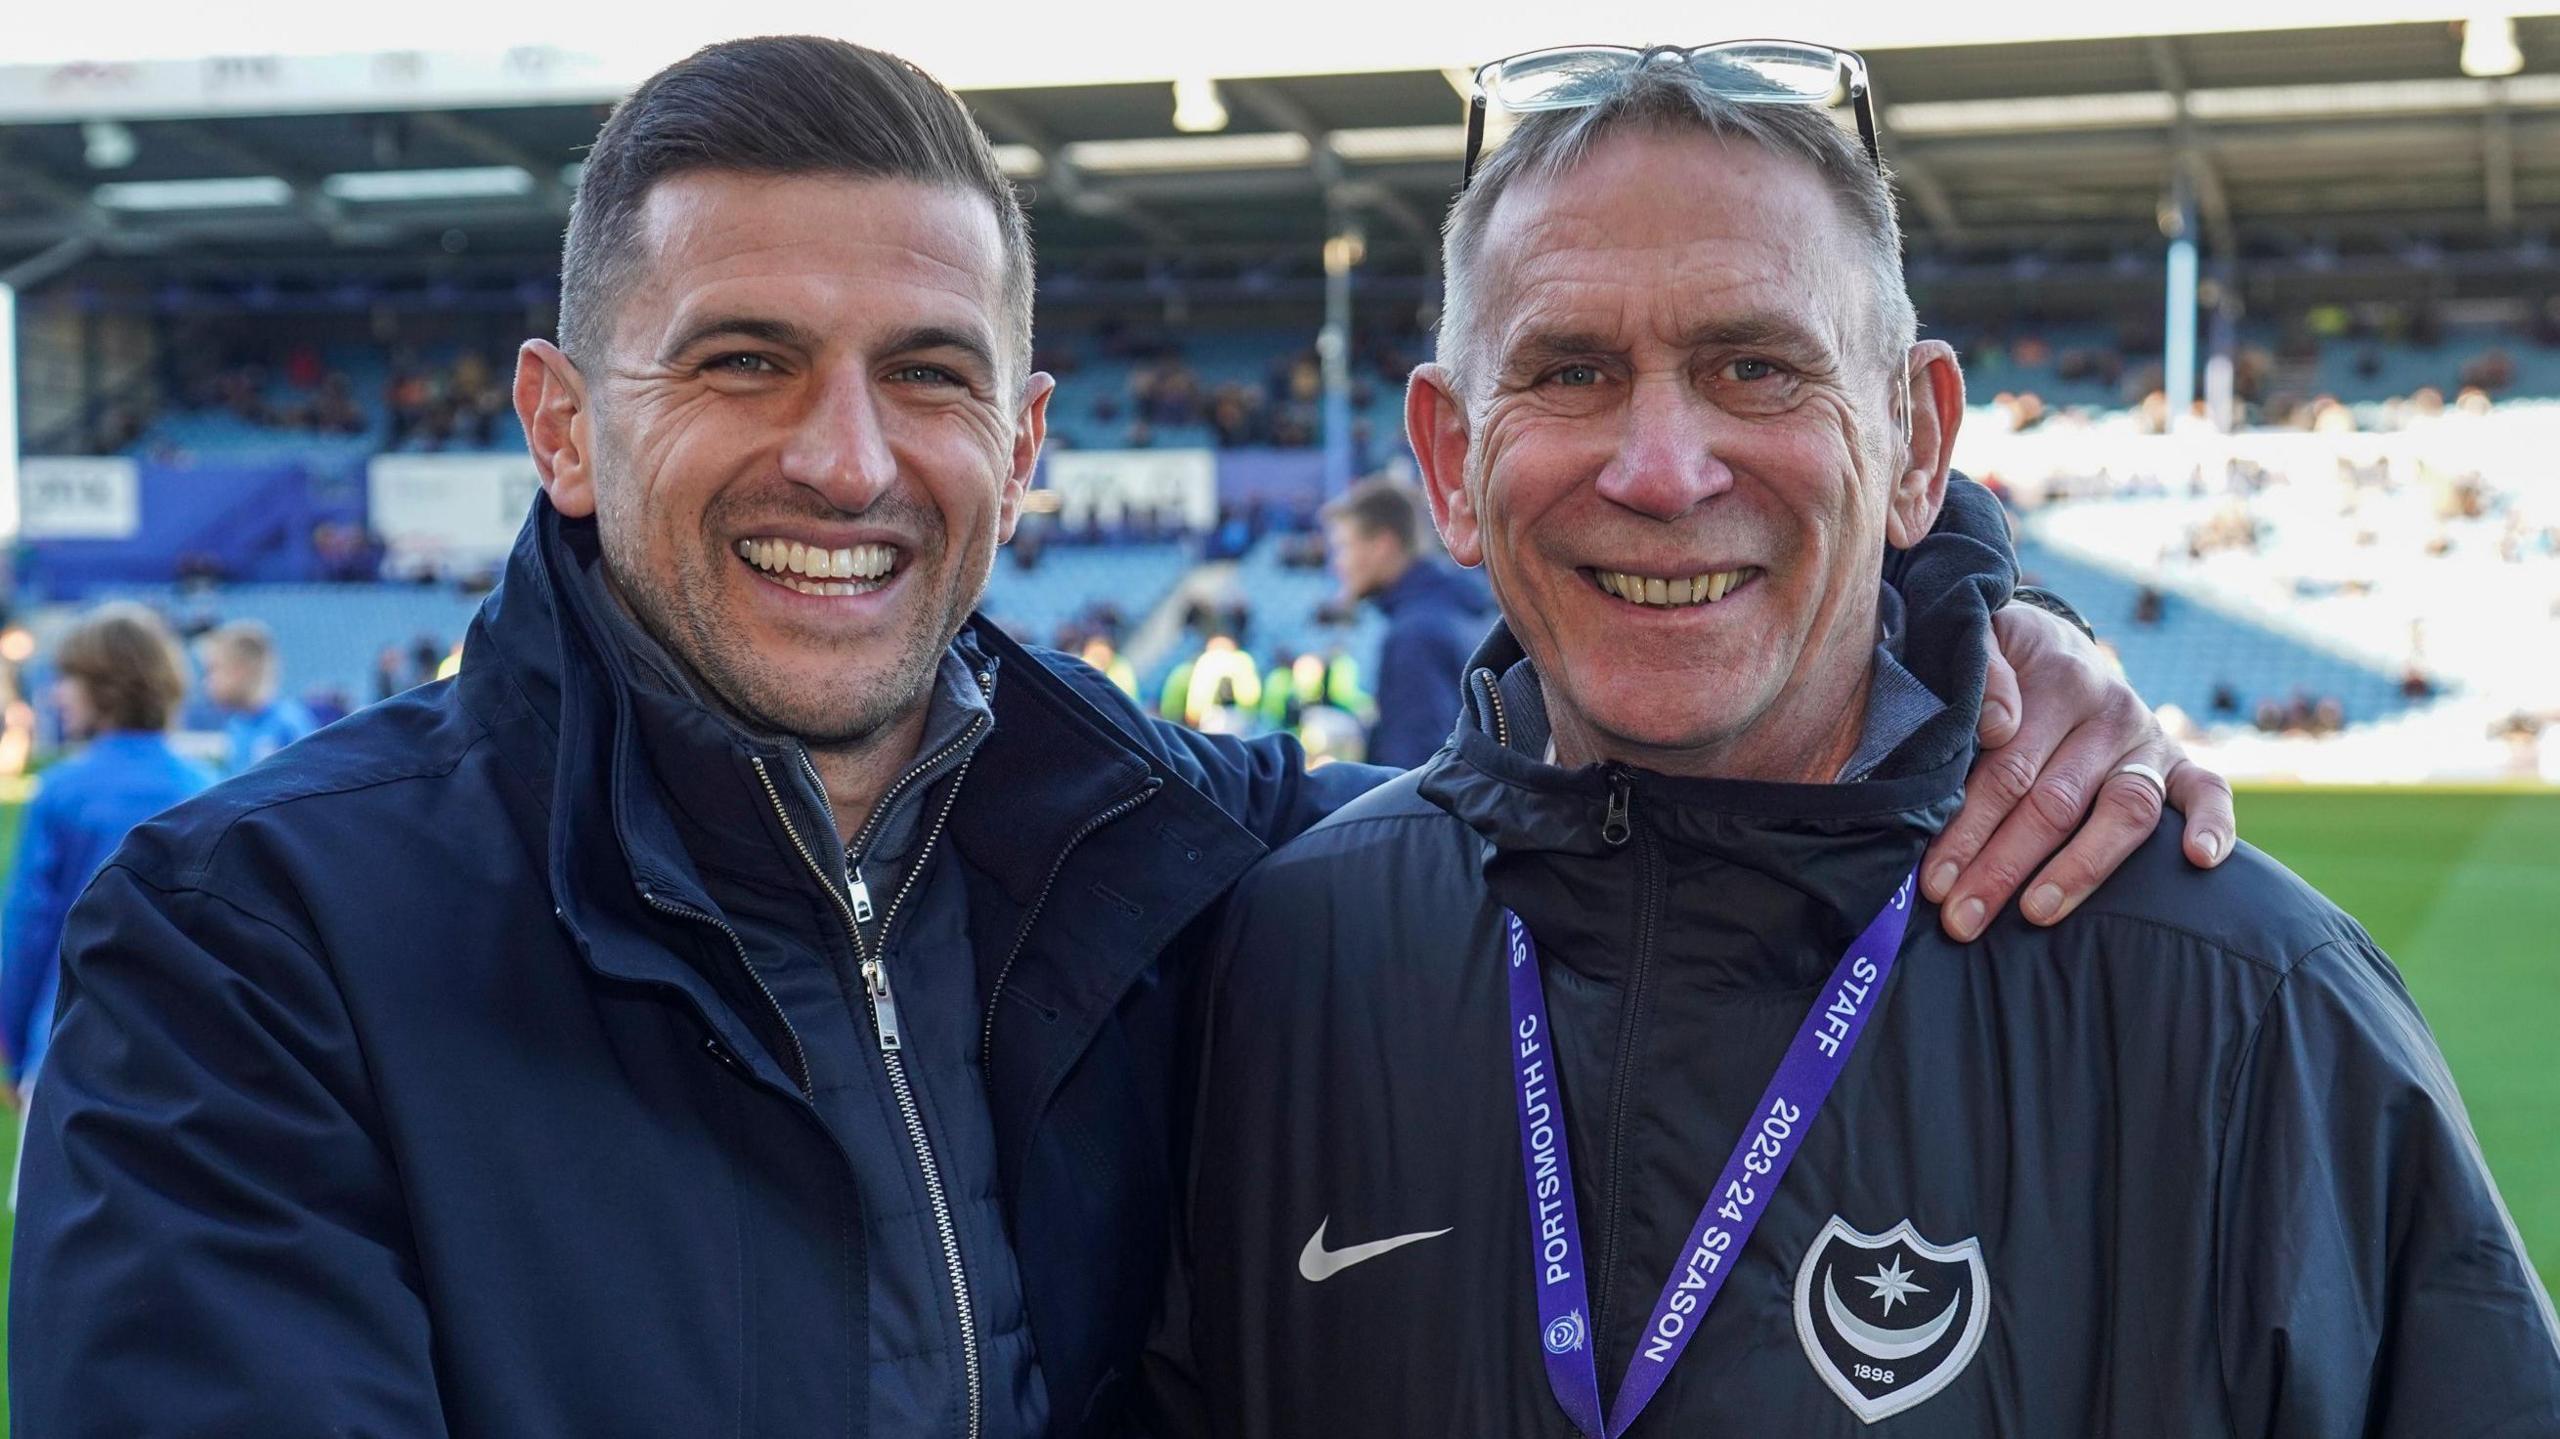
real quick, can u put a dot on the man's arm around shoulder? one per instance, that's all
(2371, 1281)
(211, 1238)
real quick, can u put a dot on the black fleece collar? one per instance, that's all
(1802, 861)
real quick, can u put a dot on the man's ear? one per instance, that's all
(1435, 423)
(1933, 400)
(1030, 431)
(559, 428)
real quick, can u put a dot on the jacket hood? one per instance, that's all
(1749, 870)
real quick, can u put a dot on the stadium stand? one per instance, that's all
(1069, 589)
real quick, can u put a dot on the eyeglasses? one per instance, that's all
(1747, 72)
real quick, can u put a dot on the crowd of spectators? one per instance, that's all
(2277, 379)
(1164, 390)
(300, 394)
(454, 405)
(452, 401)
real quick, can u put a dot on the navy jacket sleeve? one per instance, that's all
(1263, 784)
(2371, 1282)
(210, 1233)
(31, 932)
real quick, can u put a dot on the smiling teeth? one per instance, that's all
(815, 571)
(1694, 590)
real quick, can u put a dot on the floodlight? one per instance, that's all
(1197, 106)
(106, 145)
(247, 192)
(2489, 46)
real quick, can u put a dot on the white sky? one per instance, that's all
(1014, 42)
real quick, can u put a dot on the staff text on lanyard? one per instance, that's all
(1733, 1209)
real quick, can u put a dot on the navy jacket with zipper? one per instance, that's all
(501, 1066)
(2214, 1174)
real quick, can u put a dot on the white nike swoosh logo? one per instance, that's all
(1316, 1264)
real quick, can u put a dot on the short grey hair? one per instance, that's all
(1655, 96)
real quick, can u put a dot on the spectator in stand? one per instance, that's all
(121, 678)
(426, 660)
(388, 676)
(1098, 652)
(1215, 688)
(240, 674)
(1436, 615)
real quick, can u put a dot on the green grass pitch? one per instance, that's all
(2463, 888)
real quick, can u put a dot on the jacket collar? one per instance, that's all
(598, 747)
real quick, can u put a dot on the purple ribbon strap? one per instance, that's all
(1733, 1209)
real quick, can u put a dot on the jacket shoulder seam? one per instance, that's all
(2222, 1141)
(203, 865)
(2278, 968)
(1335, 824)
(191, 890)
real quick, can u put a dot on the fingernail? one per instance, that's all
(2044, 901)
(1968, 918)
(1941, 880)
(1995, 714)
(2211, 844)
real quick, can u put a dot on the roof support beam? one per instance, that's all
(1081, 192)
(1921, 183)
(58, 259)
(84, 215)
(1330, 169)
(2498, 162)
(2213, 202)
(496, 149)
(308, 199)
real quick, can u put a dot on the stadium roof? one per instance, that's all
(2356, 139)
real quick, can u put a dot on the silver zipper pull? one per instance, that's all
(884, 1004)
(1615, 828)
(861, 896)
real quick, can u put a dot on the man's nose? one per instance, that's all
(1666, 463)
(839, 446)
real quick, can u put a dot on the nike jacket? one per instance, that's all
(2187, 1164)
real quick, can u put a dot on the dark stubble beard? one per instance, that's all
(845, 714)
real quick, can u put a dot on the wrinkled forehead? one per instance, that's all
(833, 247)
(1671, 231)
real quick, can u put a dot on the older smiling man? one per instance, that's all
(747, 1000)
(1519, 1113)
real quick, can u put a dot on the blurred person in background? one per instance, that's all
(241, 668)
(1435, 615)
(1214, 689)
(1099, 652)
(119, 681)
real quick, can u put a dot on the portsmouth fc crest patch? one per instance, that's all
(1889, 1319)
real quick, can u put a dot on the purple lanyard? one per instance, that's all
(1760, 1159)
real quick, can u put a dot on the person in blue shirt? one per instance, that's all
(240, 666)
(121, 679)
